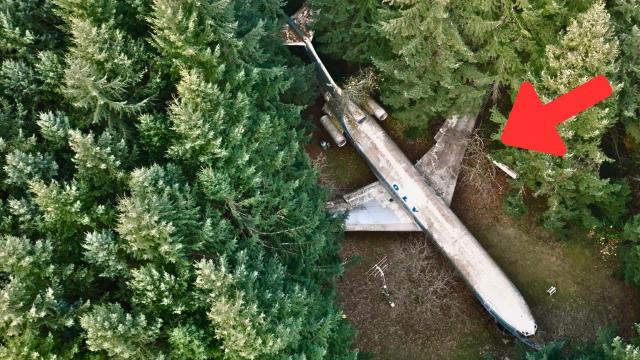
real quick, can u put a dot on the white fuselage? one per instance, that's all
(490, 285)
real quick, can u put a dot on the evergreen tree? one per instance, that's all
(607, 346)
(626, 18)
(119, 334)
(509, 38)
(101, 71)
(30, 44)
(571, 184)
(241, 153)
(159, 220)
(630, 250)
(155, 199)
(349, 30)
(470, 46)
(426, 76)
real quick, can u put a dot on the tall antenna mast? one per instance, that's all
(377, 270)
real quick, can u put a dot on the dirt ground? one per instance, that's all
(589, 297)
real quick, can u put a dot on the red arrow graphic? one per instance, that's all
(532, 124)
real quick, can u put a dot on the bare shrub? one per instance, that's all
(361, 85)
(477, 170)
(324, 174)
(327, 176)
(420, 280)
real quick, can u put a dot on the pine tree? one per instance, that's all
(21, 168)
(426, 76)
(241, 152)
(606, 346)
(159, 220)
(630, 250)
(626, 18)
(244, 312)
(121, 335)
(104, 252)
(99, 162)
(471, 45)
(29, 35)
(102, 71)
(32, 301)
(509, 38)
(575, 193)
(145, 144)
(349, 30)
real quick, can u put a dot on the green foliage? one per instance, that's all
(630, 251)
(349, 30)
(27, 25)
(632, 229)
(606, 347)
(510, 38)
(470, 45)
(154, 131)
(514, 204)
(103, 252)
(626, 18)
(621, 351)
(101, 70)
(121, 335)
(245, 326)
(62, 210)
(190, 342)
(159, 218)
(98, 162)
(22, 168)
(155, 198)
(426, 76)
(157, 291)
(54, 128)
(574, 191)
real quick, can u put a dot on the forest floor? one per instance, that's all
(589, 296)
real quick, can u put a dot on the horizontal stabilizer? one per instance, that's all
(372, 208)
(302, 18)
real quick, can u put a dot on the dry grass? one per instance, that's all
(420, 281)
(360, 86)
(324, 177)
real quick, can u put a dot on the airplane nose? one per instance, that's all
(531, 330)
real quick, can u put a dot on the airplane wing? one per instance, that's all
(372, 208)
(440, 166)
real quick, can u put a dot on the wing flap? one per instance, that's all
(372, 208)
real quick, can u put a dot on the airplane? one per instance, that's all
(413, 197)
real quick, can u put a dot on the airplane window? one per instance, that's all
(404, 198)
(396, 187)
(414, 209)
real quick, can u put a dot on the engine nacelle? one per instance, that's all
(373, 108)
(356, 112)
(334, 132)
(327, 110)
(351, 110)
